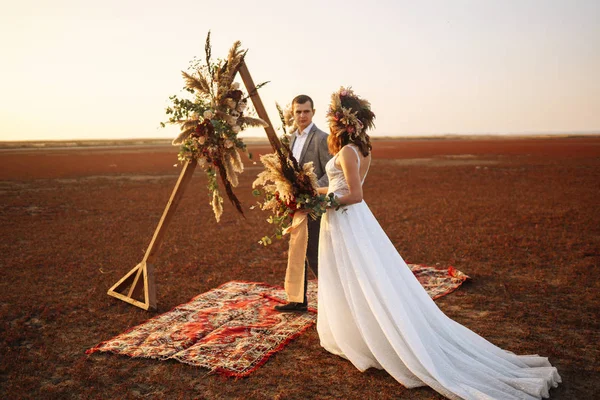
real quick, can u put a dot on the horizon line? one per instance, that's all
(374, 137)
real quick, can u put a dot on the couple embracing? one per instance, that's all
(372, 310)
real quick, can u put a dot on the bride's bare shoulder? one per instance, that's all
(352, 150)
(348, 155)
(346, 152)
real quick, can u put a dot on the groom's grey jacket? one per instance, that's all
(315, 150)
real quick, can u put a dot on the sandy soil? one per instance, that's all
(520, 216)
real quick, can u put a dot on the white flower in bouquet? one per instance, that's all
(228, 144)
(235, 86)
(242, 106)
(231, 120)
(236, 129)
(231, 103)
(201, 140)
(208, 114)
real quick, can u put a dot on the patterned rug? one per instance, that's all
(233, 329)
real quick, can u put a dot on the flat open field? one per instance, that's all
(520, 216)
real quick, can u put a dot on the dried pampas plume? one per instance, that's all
(187, 126)
(231, 173)
(226, 74)
(217, 205)
(254, 122)
(196, 82)
(272, 178)
(183, 135)
(309, 170)
(238, 165)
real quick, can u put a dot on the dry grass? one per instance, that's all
(522, 218)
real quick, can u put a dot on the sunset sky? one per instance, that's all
(105, 70)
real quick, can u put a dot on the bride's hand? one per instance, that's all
(333, 201)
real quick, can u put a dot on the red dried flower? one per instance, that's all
(235, 95)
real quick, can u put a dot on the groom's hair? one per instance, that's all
(301, 99)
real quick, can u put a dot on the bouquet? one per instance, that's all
(288, 188)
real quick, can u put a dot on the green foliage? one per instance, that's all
(182, 109)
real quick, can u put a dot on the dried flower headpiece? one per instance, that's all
(349, 113)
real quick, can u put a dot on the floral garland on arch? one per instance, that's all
(211, 122)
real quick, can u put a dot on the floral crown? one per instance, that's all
(353, 120)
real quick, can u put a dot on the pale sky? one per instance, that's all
(104, 69)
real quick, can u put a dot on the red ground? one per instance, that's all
(520, 216)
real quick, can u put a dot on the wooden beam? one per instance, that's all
(143, 281)
(182, 183)
(258, 105)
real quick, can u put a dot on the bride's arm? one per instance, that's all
(323, 190)
(349, 163)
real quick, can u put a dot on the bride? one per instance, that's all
(374, 312)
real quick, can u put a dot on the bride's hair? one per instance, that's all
(335, 142)
(349, 117)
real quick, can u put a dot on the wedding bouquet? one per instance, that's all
(288, 188)
(285, 197)
(211, 122)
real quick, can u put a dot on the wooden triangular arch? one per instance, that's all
(138, 286)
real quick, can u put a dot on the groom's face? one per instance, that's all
(303, 114)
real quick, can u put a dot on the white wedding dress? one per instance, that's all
(374, 312)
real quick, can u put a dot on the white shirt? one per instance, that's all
(300, 140)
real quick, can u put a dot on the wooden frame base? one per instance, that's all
(138, 281)
(145, 269)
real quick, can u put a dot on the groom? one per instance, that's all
(308, 143)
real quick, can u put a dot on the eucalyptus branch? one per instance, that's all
(253, 92)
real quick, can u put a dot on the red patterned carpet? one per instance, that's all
(233, 329)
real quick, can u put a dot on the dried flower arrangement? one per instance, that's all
(211, 122)
(286, 186)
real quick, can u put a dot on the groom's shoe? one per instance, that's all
(291, 307)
